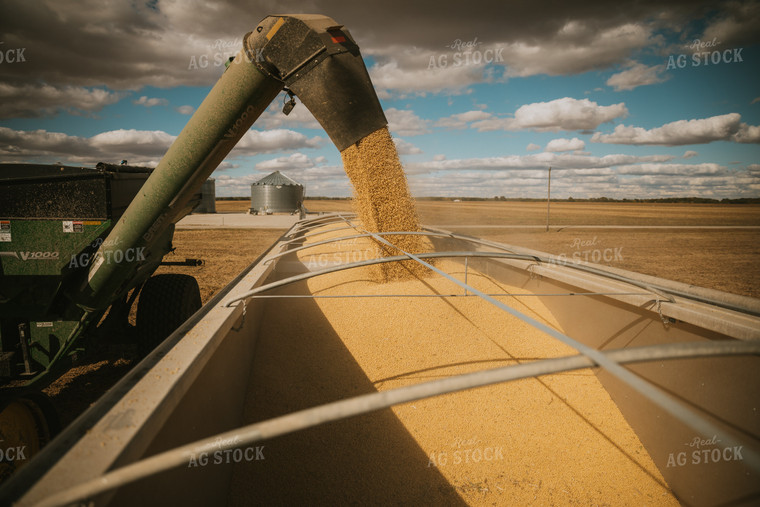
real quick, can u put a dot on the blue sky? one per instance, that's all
(597, 92)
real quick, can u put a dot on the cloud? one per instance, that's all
(532, 147)
(129, 45)
(35, 100)
(727, 127)
(293, 161)
(690, 154)
(412, 73)
(561, 114)
(299, 117)
(150, 102)
(567, 114)
(461, 120)
(637, 74)
(538, 161)
(188, 110)
(138, 146)
(674, 169)
(255, 142)
(403, 122)
(577, 46)
(405, 148)
(735, 24)
(639, 179)
(573, 144)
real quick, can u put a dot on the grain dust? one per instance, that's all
(382, 200)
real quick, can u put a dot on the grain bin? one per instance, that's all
(208, 197)
(276, 193)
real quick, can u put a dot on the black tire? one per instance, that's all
(166, 301)
(27, 423)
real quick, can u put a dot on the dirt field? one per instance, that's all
(723, 259)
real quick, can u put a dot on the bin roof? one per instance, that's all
(277, 179)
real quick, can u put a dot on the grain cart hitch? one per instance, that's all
(51, 308)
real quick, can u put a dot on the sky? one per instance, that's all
(643, 99)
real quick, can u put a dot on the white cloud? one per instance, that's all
(562, 144)
(403, 122)
(689, 154)
(674, 169)
(533, 147)
(538, 161)
(293, 161)
(410, 72)
(461, 120)
(640, 179)
(637, 74)
(567, 114)
(269, 141)
(561, 114)
(150, 102)
(187, 110)
(299, 117)
(405, 148)
(727, 127)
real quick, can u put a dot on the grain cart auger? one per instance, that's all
(50, 306)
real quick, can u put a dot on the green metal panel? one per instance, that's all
(47, 247)
(48, 338)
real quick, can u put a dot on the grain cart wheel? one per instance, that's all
(27, 423)
(166, 301)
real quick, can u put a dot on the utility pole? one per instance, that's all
(548, 198)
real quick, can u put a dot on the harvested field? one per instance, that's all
(722, 259)
(557, 439)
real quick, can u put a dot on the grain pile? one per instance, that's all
(382, 200)
(558, 439)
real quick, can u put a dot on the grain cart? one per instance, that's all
(54, 218)
(70, 250)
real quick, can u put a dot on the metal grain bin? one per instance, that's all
(208, 197)
(276, 193)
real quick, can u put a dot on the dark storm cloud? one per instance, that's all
(126, 45)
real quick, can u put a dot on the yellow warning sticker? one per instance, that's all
(275, 28)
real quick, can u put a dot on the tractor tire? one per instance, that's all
(166, 301)
(27, 423)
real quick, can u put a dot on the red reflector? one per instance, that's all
(339, 38)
